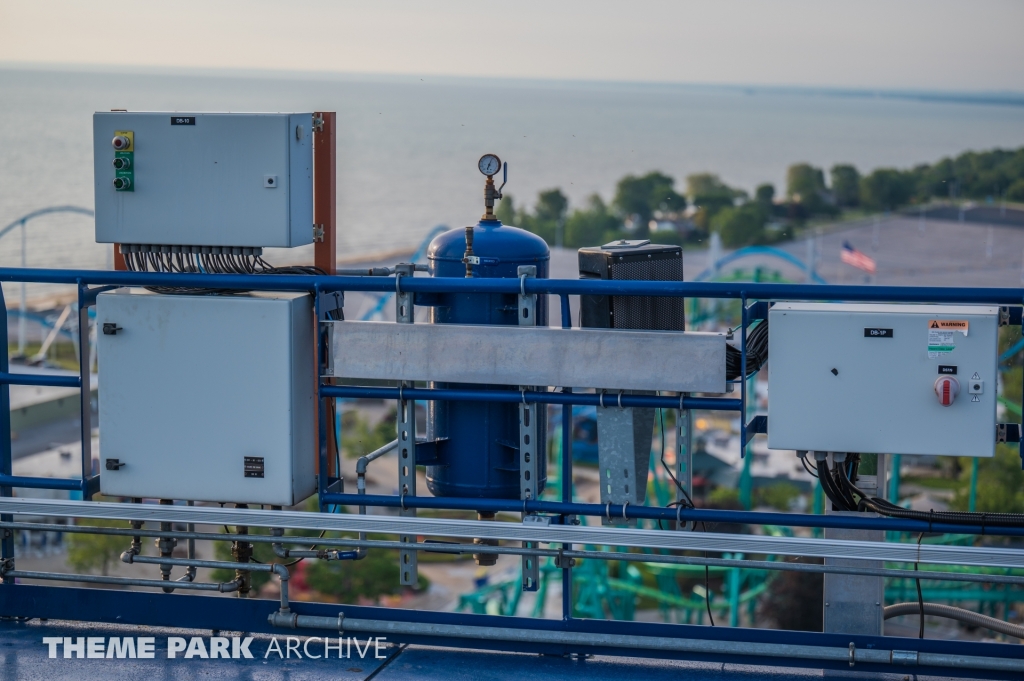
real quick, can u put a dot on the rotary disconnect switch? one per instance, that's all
(946, 389)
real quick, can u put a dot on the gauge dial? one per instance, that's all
(489, 164)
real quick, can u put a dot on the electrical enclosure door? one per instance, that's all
(211, 179)
(862, 378)
(207, 398)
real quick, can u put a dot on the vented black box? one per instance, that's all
(632, 261)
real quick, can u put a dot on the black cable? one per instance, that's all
(828, 487)
(707, 591)
(757, 353)
(803, 460)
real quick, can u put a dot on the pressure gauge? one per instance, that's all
(489, 164)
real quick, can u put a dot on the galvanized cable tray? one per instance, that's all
(532, 532)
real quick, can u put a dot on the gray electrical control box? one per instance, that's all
(902, 379)
(207, 398)
(206, 179)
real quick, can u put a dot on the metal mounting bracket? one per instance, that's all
(406, 427)
(528, 431)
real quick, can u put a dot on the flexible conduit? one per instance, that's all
(953, 613)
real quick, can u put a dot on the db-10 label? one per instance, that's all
(878, 333)
(183, 120)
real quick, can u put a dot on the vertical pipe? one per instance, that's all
(85, 402)
(321, 402)
(566, 471)
(7, 540)
(743, 372)
(734, 596)
(22, 304)
(746, 478)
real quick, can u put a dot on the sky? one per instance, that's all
(970, 45)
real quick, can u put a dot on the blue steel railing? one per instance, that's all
(753, 296)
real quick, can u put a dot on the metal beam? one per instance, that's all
(521, 355)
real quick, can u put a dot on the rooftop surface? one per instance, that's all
(24, 657)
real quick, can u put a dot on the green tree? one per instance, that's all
(642, 196)
(348, 581)
(592, 226)
(506, 210)
(742, 225)
(765, 194)
(1016, 190)
(709, 195)
(886, 189)
(358, 437)
(1000, 483)
(87, 552)
(551, 205)
(845, 185)
(805, 185)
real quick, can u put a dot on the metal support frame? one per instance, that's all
(405, 313)
(528, 434)
(684, 461)
(157, 609)
(6, 458)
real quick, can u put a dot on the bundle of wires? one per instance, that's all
(757, 353)
(206, 263)
(844, 494)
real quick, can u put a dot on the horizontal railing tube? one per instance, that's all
(41, 379)
(521, 551)
(66, 484)
(534, 396)
(689, 289)
(222, 587)
(660, 513)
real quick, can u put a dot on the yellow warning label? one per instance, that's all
(949, 325)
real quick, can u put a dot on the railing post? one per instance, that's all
(84, 370)
(6, 458)
(405, 313)
(566, 474)
(529, 436)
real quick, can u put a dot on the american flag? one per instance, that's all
(851, 256)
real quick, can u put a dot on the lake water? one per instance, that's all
(408, 147)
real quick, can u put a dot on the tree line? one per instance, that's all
(650, 207)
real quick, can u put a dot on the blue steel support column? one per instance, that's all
(7, 541)
(85, 403)
(566, 473)
(743, 372)
(321, 404)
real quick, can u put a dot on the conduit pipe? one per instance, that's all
(852, 655)
(954, 613)
(361, 466)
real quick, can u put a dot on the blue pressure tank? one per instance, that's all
(478, 442)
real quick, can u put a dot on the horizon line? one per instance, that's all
(985, 97)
